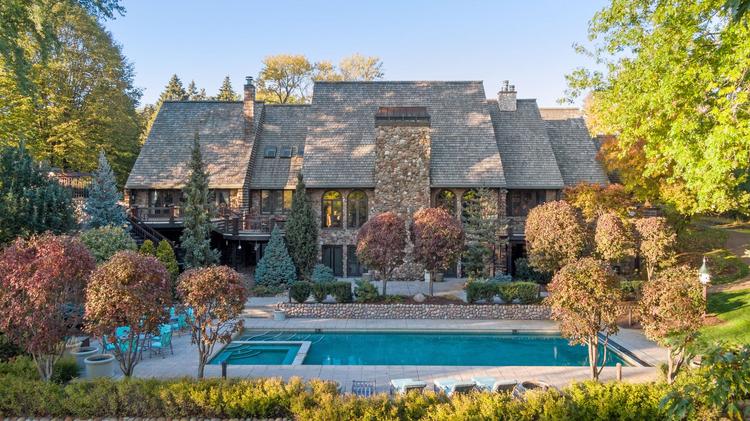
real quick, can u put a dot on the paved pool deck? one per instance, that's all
(184, 361)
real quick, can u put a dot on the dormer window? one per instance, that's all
(270, 152)
(286, 152)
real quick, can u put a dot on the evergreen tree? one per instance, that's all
(165, 254)
(302, 232)
(174, 91)
(482, 226)
(276, 267)
(226, 93)
(147, 248)
(202, 95)
(195, 239)
(103, 205)
(192, 91)
(30, 202)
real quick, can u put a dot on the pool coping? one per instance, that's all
(622, 352)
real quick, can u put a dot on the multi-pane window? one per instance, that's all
(286, 152)
(520, 202)
(356, 204)
(220, 197)
(269, 152)
(332, 209)
(275, 201)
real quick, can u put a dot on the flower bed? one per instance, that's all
(417, 311)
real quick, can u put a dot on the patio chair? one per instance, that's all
(521, 388)
(190, 314)
(180, 323)
(452, 386)
(491, 384)
(364, 388)
(404, 386)
(161, 342)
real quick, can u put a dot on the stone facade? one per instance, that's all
(418, 311)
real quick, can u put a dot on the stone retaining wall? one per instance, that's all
(417, 311)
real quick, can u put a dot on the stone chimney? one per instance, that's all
(249, 100)
(506, 98)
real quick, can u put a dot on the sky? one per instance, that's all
(528, 43)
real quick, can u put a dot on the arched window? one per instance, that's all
(446, 199)
(332, 209)
(356, 204)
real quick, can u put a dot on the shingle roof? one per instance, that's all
(340, 143)
(163, 161)
(575, 152)
(560, 113)
(283, 125)
(528, 159)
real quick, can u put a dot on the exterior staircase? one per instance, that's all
(141, 232)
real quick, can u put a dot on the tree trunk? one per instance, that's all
(432, 279)
(201, 367)
(670, 366)
(593, 358)
(385, 286)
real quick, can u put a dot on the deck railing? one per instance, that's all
(235, 224)
(157, 214)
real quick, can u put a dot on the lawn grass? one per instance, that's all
(733, 308)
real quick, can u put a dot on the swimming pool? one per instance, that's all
(406, 348)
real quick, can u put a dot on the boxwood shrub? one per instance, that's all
(320, 292)
(300, 291)
(524, 292)
(341, 291)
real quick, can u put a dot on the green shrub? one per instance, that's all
(341, 291)
(104, 242)
(527, 273)
(365, 292)
(322, 274)
(502, 277)
(631, 289)
(300, 291)
(65, 370)
(524, 292)
(8, 349)
(615, 401)
(320, 291)
(21, 366)
(481, 290)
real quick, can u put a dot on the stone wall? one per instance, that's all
(418, 311)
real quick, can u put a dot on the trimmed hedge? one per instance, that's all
(524, 292)
(315, 400)
(300, 291)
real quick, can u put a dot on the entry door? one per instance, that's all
(353, 268)
(333, 257)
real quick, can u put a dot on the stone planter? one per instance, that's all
(82, 353)
(279, 315)
(367, 277)
(439, 277)
(101, 365)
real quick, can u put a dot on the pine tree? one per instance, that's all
(147, 248)
(173, 91)
(226, 93)
(482, 226)
(276, 267)
(30, 202)
(195, 239)
(102, 205)
(192, 91)
(302, 232)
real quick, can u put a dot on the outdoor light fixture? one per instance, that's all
(705, 278)
(239, 245)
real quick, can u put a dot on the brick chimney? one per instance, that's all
(248, 105)
(506, 98)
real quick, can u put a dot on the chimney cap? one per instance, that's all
(249, 80)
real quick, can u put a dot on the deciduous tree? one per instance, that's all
(103, 204)
(671, 311)
(381, 244)
(42, 283)
(584, 296)
(555, 235)
(285, 78)
(613, 238)
(301, 232)
(276, 267)
(217, 297)
(594, 200)
(438, 240)
(672, 77)
(128, 290)
(656, 243)
(196, 215)
(359, 67)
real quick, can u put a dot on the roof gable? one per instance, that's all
(340, 142)
(283, 126)
(575, 152)
(164, 158)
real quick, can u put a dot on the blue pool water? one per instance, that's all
(414, 348)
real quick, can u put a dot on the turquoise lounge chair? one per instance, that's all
(452, 386)
(491, 384)
(162, 342)
(406, 385)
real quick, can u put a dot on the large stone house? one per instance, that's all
(363, 148)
